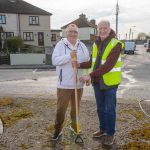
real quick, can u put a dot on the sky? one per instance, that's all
(134, 14)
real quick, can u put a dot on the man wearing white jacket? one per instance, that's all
(62, 58)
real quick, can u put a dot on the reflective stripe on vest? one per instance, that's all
(103, 61)
(94, 55)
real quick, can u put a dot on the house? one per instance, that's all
(19, 18)
(87, 29)
(55, 36)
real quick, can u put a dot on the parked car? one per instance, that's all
(145, 44)
(129, 47)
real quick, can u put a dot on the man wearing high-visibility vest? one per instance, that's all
(105, 75)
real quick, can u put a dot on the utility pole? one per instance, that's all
(117, 10)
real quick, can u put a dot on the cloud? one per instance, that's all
(135, 12)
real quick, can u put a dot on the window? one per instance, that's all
(9, 34)
(53, 38)
(33, 20)
(2, 19)
(28, 36)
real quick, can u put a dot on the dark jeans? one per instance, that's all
(106, 108)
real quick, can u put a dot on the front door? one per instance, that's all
(41, 38)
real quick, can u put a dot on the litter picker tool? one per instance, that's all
(78, 138)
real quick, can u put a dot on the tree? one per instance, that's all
(148, 36)
(141, 36)
(14, 43)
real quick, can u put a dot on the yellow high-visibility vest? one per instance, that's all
(113, 77)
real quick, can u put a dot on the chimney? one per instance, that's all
(83, 16)
(93, 21)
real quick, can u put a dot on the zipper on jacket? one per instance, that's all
(60, 76)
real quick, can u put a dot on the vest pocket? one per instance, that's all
(112, 78)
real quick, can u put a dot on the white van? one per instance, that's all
(129, 47)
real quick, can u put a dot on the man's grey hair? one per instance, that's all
(72, 25)
(105, 22)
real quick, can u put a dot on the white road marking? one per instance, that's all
(34, 75)
(34, 70)
(131, 83)
(131, 65)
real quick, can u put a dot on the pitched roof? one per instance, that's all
(81, 22)
(20, 7)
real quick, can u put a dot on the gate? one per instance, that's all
(4, 57)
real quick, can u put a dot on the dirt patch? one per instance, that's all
(29, 124)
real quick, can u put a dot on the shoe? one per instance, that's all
(74, 130)
(56, 136)
(98, 134)
(109, 140)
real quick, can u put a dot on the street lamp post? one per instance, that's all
(126, 36)
(131, 32)
(132, 35)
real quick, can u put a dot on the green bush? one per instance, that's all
(14, 43)
(26, 49)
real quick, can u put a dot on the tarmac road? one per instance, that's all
(136, 75)
(42, 82)
(34, 91)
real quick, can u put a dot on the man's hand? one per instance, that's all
(85, 79)
(73, 54)
(74, 62)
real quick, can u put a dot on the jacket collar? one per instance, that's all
(69, 45)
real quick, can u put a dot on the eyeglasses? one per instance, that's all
(74, 32)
